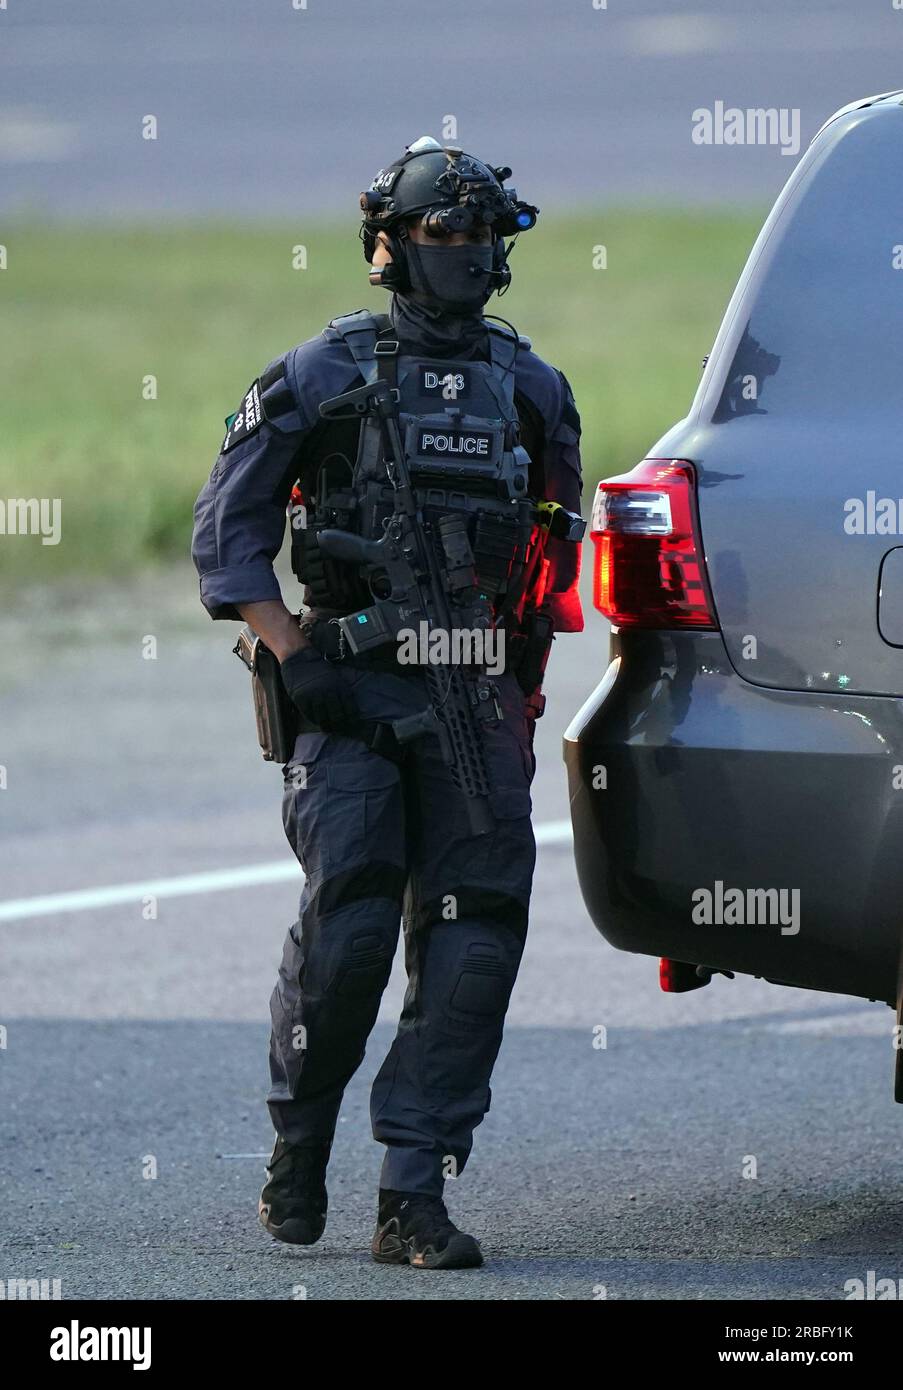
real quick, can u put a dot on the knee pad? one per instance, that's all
(361, 967)
(487, 969)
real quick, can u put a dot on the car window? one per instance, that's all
(823, 328)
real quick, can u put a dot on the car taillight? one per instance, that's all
(649, 566)
(677, 977)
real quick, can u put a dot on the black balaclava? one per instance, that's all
(441, 315)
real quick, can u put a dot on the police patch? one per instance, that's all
(457, 443)
(246, 420)
(450, 385)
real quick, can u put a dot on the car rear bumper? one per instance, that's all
(683, 776)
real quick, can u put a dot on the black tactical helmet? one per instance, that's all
(451, 192)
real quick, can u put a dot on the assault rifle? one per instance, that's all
(420, 573)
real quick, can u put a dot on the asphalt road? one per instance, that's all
(279, 107)
(130, 1039)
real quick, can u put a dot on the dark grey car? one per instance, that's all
(737, 777)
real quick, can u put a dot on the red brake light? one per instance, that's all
(649, 567)
(667, 976)
(677, 976)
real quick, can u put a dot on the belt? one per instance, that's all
(326, 636)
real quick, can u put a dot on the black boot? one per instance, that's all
(416, 1230)
(292, 1204)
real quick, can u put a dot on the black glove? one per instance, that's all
(318, 690)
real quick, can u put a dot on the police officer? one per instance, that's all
(381, 828)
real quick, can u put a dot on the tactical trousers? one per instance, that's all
(379, 843)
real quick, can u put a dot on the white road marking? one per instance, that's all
(216, 881)
(554, 832)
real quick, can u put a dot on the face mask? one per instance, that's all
(453, 278)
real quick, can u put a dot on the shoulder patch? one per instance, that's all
(246, 420)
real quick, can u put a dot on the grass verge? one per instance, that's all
(90, 313)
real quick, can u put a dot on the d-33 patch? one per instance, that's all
(246, 420)
(450, 385)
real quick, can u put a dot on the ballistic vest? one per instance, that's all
(461, 434)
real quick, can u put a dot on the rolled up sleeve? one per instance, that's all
(222, 590)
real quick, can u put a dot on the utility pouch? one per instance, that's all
(274, 711)
(330, 583)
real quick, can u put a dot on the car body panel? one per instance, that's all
(703, 758)
(786, 474)
(707, 778)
